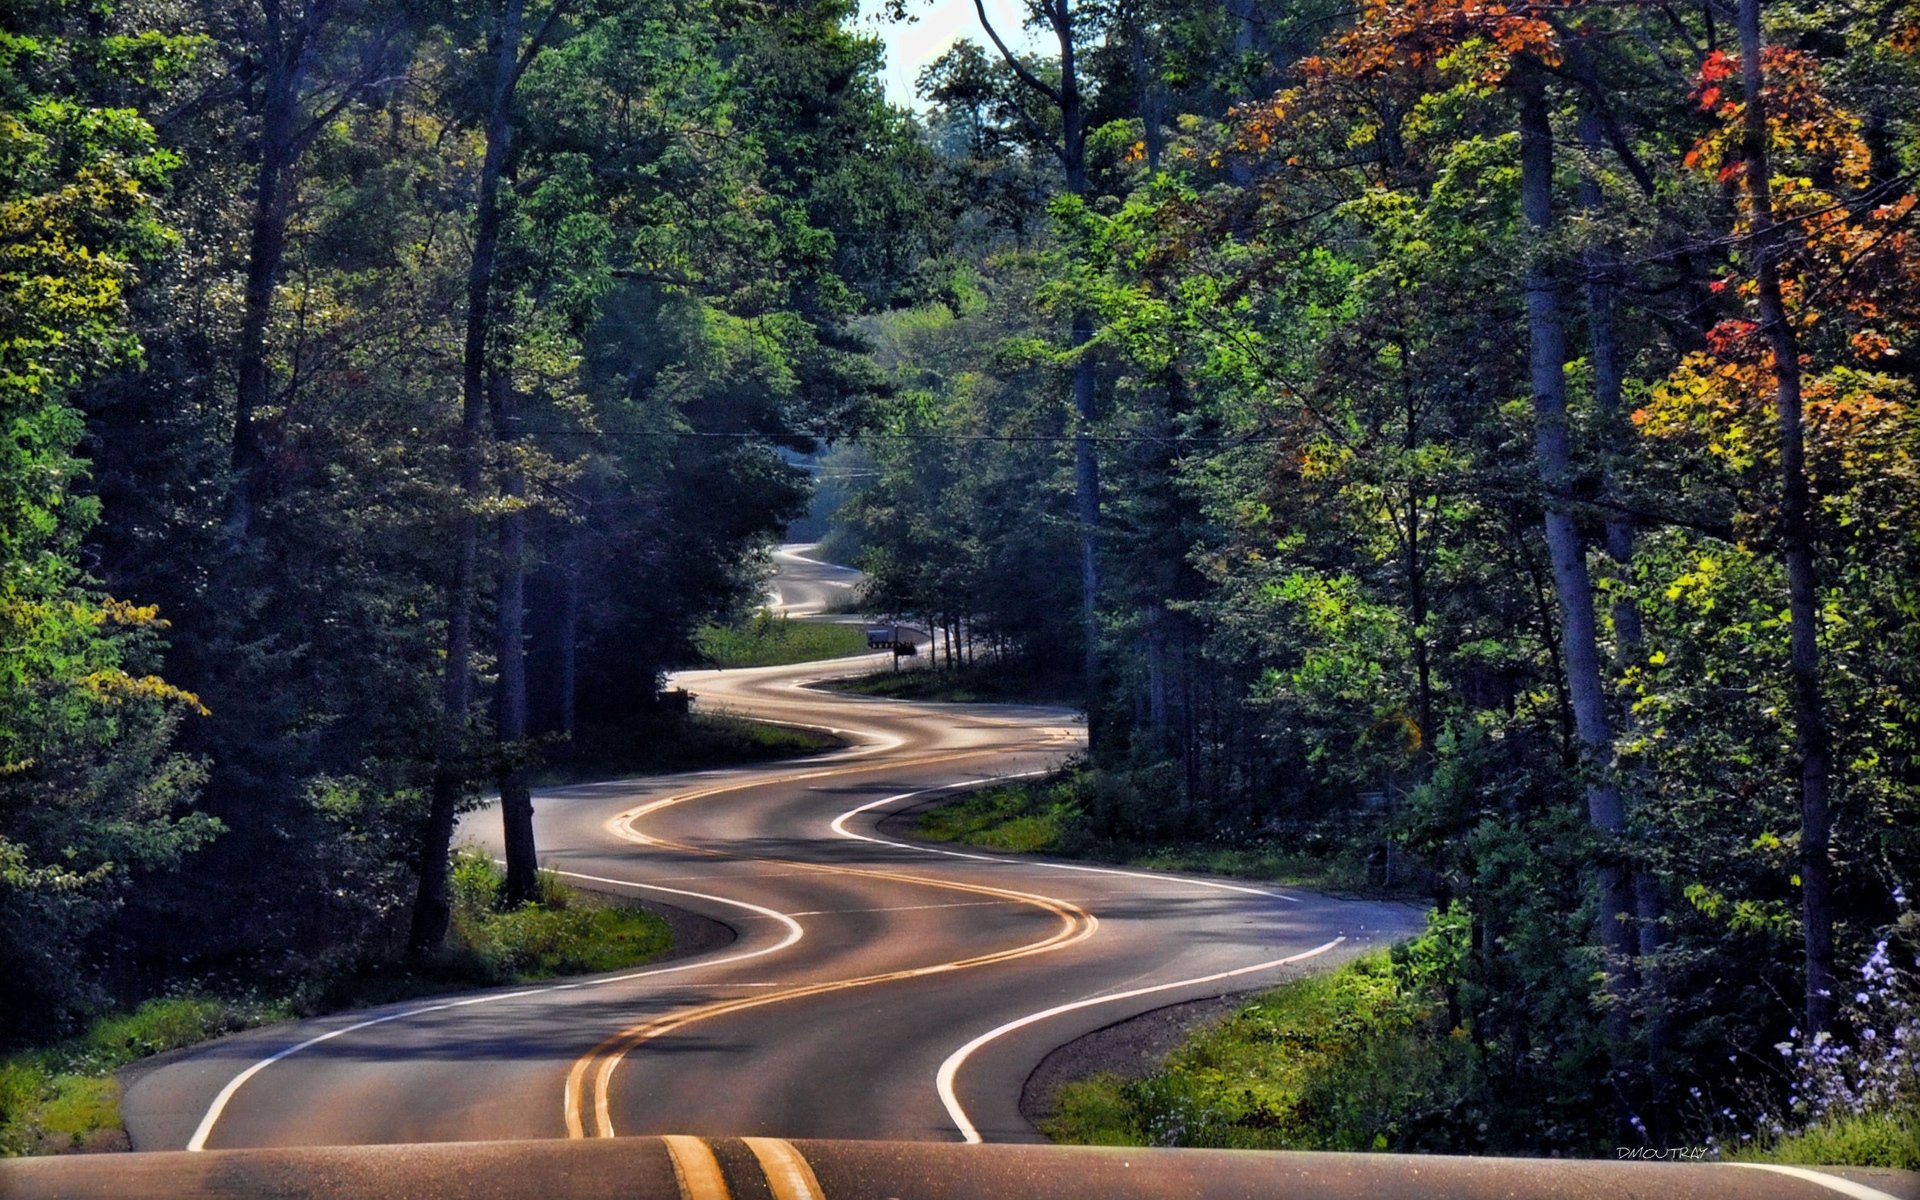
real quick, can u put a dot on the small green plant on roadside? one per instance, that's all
(768, 640)
(559, 933)
(1356, 1059)
(64, 1097)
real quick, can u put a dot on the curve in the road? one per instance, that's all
(1077, 924)
(876, 944)
(795, 932)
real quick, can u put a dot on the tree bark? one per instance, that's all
(1609, 400)
(1586, 692)
(1072, 152)
(569, 643)
(283, 71)
(1153, 136)
(510, 725)
(1811, 736)
(431, 909)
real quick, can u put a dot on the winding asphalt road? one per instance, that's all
(878, 998)
(875, 989)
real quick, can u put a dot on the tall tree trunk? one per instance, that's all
(1811, 736)
(569, 642)
(1086, 492)
(516, 797)
(1086, 462)
(1609, 386)
(1153, 135)
(1157, 674)
(283, 70)
(1072, 152)
(431, 909)
(1586, 690)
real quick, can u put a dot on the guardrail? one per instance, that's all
(689, 1168)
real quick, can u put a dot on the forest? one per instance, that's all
(1467, 445)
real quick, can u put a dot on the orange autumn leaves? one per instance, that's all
(1476, 41)
(1849, 271)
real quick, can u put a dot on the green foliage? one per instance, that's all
(65, 1098)
(558, 934)
(1887, 1139)
(1356, 1059)
(922, 678)
(1013, 818)
(1063, 816)
(92, 797)
(769, 640)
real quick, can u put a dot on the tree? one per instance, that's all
(93, 799)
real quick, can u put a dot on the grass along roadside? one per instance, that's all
(1059, 815)
(985, 683)
(671, 742)
(1356, 1059)
(64, 1098)
(768, 640)
(1363, 1059)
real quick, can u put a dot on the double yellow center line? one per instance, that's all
(589, 1081)
(696, 1169)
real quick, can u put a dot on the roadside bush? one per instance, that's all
(1362, 1058)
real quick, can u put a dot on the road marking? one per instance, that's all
(794, 934)
(1077, 924)
(830, 912)
(943, 1081)
(839, 826)
(1846, 1187)
(788, 1174)
(695, 1168)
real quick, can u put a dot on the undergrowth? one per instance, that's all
(1060, 816)
(770, 641)
(1357, 1059)
(65, 1098)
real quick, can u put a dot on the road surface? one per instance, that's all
(874, 989)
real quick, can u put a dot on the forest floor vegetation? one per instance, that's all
(1061, 815)
(64, 1098)
(1369, 1058)
(768, 640)
(1357, 1059)
(670, 742)
(983, 683)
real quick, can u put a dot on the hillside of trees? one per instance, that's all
(1475, 437)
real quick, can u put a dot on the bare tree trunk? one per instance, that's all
(283, 71)
(1071, 150)
(516, 798)
(1154, 137)
(431, 909)
(1157, 674)
(569, 647)
(1586, 690)
(1608, 393)
(1812, 738)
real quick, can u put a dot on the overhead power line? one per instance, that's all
(1121, 438)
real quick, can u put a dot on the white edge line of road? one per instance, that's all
(839, 826)
(794, 934)
(951, 1068)
(1834, 1183)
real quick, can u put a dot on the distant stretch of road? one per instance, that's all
(875, 989)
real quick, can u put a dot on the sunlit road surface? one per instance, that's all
(875, 990)
(803, 586)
